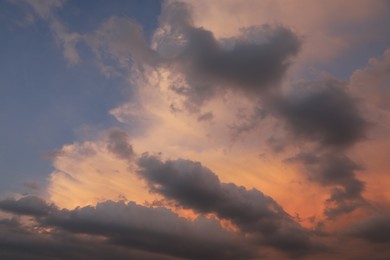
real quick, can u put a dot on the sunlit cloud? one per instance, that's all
(233, 139)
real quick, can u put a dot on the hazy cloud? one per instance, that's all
(43, 8)
(119, 43)
(206, 117)
(118, 143)
(337, 171)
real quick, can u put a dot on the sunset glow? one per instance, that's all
(195, 129)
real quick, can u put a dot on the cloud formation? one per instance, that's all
(252, 63)
(222, 92)
(338, 172)
(30, 205)
(133, 226)
(323, 112)
(375, 229)
(118, 144)
(195, 187)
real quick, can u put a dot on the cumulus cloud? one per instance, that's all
(30, 205)
(329, 32)
(375, 228)
(251, 63)
(195, 187)
(129, 225)
(372, 82)
(20, 241)
(323, 112)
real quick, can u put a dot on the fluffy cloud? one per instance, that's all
(323, 112)
(252, 62)
(195, 187)
(26, 206)
(131, 226)
(375, 229)
(372, 82)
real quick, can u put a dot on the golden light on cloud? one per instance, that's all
(247, 130)
(86, 173)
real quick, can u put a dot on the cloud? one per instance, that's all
(328, 31)
(323, 112)
(45, 10)
(152, 229)
(30, 205)
(195, 187)
(67, 40)
(337, 171)
(206, 117)
(120, 40)
(371, 83)
(375, 229)
(129, 225)
(192, 85)
(251, 63)
(20, 241)
(119, 145)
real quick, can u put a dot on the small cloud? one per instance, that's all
(206, 117)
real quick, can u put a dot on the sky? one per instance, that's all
(195, 129)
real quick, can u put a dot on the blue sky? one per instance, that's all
(45, 102)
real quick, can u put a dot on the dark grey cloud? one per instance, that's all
(252, 63)
(250, 66)
(375, 229)
(337, 171)
(29, 205)
(195, 187)
(155, 232)
(323, 112)
(19, 241)
(118, 144)
(152, 229)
